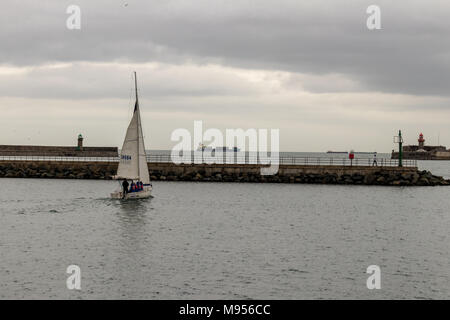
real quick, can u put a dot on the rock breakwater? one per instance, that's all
(344, 175)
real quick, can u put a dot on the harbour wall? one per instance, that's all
(414, 155)
(55, 151)
(166, 171)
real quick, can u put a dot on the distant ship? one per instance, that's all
(203, 148)
(226, 149)
(356, 152)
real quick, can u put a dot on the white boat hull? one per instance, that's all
(146, 193)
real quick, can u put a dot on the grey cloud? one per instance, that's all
(411, 54)
(108, 81)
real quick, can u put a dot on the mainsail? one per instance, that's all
(133, 160)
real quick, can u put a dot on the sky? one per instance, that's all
(311, 69)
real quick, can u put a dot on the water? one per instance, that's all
(224, 241)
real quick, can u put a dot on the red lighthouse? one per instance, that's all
(421, 141)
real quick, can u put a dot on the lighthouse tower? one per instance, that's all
(80, 143)
(421, 141)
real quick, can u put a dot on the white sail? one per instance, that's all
(129, 161)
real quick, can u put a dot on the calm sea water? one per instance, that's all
(224, 240)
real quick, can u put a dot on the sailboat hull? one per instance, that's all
(146, 193)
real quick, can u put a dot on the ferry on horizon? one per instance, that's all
(203, 148)
(357, 152)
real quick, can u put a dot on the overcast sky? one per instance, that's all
(309, 68)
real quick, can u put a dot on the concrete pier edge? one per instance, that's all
(166, 171)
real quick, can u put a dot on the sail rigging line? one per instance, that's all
(136, 109)
(130, 98)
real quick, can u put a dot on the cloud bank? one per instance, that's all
(310, 68)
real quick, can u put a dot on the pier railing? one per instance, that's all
(287, 160)
(234, 159)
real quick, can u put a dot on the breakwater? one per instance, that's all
(55, 151)
(436, 155)
(166, 171)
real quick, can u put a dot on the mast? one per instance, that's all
(136, 109)
(135, 86)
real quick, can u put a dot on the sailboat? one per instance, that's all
(133, 160)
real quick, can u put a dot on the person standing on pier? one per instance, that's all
(375, 163)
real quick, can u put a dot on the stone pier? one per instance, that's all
(166, 171)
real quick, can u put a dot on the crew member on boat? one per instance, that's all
(136, 186)
(125, 185)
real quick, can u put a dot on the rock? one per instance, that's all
(381, 180)
(406, 176)
(348, 180)
(423, 182)
(370, 179)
